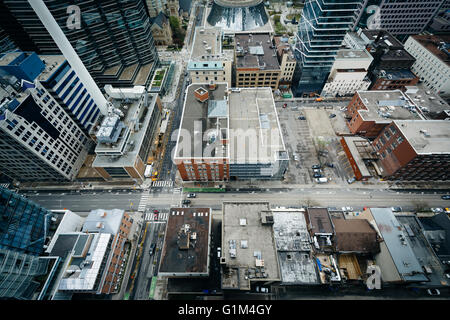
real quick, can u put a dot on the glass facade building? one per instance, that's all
(114, 42)
(23, 223)
(321, 31)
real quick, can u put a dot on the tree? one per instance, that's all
(178, 33)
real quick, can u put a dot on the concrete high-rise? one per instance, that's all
(114, 41)
(321, 32)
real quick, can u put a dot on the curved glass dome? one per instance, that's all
(235, 16)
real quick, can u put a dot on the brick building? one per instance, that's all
(415, 150)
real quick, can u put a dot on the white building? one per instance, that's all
(432, 61)
(209, 62)
(349, 73)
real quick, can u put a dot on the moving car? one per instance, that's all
(351, 180)
(396, 209)
(301, 118)
(152, 249)
(437, 210)
(186, 201)
(446, 197)
(332, 115)
(191, 195)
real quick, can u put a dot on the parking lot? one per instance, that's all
(312, 140)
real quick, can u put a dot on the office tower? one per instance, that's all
(400, 17)
(6, 44)
(42, 137)
(23, 224)
(320, 34)
(114, 42)
(23, 276)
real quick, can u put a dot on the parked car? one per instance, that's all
(322, 180)
(301, 118)
(351, 180)
(347, 209)
(191, 195)
(433, 292)
(330, 165)
(296, 157)
(186, 201)
(332, 115)
(317, 175)
(396, 209)
(343, 109)
(437, 210)
(446, 197)
(316, 166)
(152, 249)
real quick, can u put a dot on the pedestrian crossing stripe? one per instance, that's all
(4, 185)
(161, 216)
(162, 184)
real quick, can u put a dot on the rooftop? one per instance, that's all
(319, 221)
(395, 74)
(386, 39)
(427, 136)
(399, 248)
(293, 245)
(104, 221)
(437, 231)
(283, 47)
(86, 263)
(187, 243)
(248, 245)
(52, 63)
(124, 131)
(437, 45)
(426, 100)
(256, 51)
(361, 149)
(253, 116)
(353, 54)
(199, 133)
(207, 44)
(355, 235)
(422, 250)
(385, 106)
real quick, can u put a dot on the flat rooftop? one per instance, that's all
(291, 231)
(319, 220)
(353, 54)
(386, 38)
(9, 57)
(247, 244)
(399, 248)
(196, 125)
(52, 63)
(360, 148)
(395, 74)
(355, 235)
(428, 101)
(433, 43)
(424, 253)
(257, 52)
(385, 106)
(427, 136)
(112, 154)
(253, 116)
(187, 242)
(207, 44)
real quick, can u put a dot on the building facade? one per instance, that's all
(402, 17)
(45, 130)
(256, 62)
(432, 61)
(114, 41)
(348, 74)
(287, 62)
(208, 61)
(126, 138)
(24, 224)
(415, 150)
(320, 34)
(162, 33)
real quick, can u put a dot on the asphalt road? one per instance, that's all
(328, 197)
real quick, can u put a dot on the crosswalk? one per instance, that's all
(4, 185)
(177, 190)
(162, 184)
(162, 216)
(144, 202)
